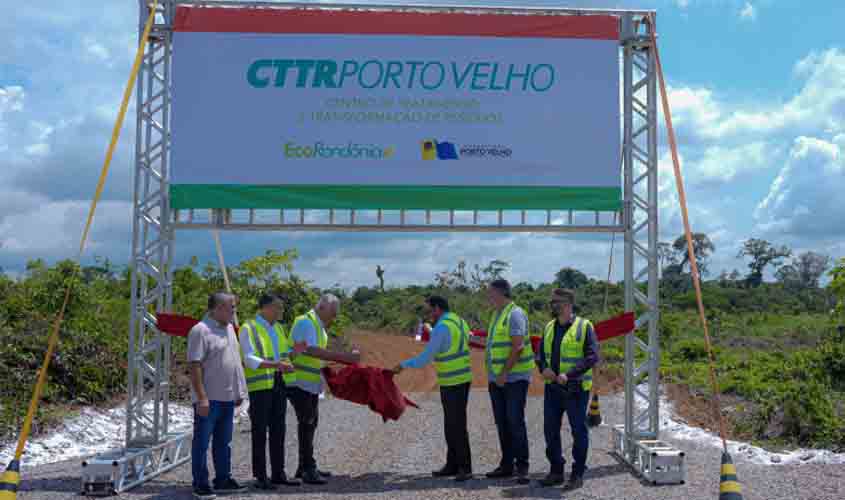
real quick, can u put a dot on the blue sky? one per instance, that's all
(757, 90)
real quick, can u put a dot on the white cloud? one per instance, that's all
(805, 200)
(11, 101)
(96, 50)
(748, 12)
(52, 229)
(701, 116)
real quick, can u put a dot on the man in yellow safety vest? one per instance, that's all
(567, 355)
(311, 328)
(510, 363)
(266, 350)
(449, 348)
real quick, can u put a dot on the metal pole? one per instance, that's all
(653, 267)
(628, 208)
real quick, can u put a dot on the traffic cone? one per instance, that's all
(729, 487)
(9, 481)
(594, 415)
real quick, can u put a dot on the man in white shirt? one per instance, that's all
(267, 351)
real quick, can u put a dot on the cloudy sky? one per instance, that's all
(757, 90)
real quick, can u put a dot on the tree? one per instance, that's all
(380, 274)
(265, 270)
(837, 286)
(762, 254)
(459, 275)
(666, 255)
(810, 267)
(702, 247)
(570, 278)
(788, 276)
(480, 277)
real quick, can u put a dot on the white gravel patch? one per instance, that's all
(92, 431)
(673, 426)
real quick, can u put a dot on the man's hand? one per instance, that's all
(300, 347)
(501, 379)
(285, 367)
(561, 379)
(397, 369)
(549, 375)
(203, 408)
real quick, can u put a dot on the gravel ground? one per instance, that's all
(373, 460)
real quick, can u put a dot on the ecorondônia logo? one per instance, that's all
(433, 150)
(348, 151)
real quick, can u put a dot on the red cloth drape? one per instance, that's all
(370, 386)
(605, 330)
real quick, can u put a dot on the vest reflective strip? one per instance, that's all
(454, 373)
(308, 369)
(257, 345)
(451, 357)
(259, 378)
(523, 359)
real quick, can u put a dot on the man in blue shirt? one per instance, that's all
(312, 330)
(449, 349)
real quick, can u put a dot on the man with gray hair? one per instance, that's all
(218, 385)
(311, 328)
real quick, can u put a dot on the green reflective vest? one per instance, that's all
(308, 367)
(454, 366)
(500, 344)
(261, 379)
(571, 348)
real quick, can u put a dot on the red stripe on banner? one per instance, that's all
(301, 21)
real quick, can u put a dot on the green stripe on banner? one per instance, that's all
(368, 197)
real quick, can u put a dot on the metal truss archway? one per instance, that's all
(150, 445)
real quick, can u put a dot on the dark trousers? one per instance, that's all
(455, 399)
(217, 427)
(267, 411)
(556, 402)
(306, 407)
(509, 414)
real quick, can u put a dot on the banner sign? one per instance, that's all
(292, 108)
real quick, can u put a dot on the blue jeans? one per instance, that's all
(556, 402)
(509, 414)
(217, 426)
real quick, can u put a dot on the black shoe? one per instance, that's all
(522, 475)
(204, 493)
(551, 480)
(322, 473)
(284, 481)
(312, 477)
(463, 475)
(574, 483)
(446, 471)
(264, 484)
(499, 473)
(229, 486)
